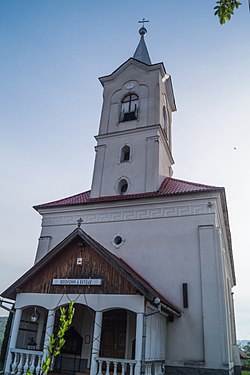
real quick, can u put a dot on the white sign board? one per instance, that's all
(77, 282)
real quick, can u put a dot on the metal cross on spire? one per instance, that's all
(143, 21)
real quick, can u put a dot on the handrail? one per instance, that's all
(116, 360)
(26, 351)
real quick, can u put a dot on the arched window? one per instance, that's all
(122, 186)
(125, 154)
(129, 107)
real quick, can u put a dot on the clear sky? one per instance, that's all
(51, 54)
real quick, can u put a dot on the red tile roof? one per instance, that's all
(170, 186)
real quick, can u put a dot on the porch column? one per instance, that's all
(48, 331)
(96, 342)
(138, 342)
(13, 338)
(40, 332)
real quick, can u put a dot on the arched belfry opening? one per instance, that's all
(129, 107)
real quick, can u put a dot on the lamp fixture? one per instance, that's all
(35, 316)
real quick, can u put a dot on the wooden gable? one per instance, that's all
(64, 266)
(116, 276)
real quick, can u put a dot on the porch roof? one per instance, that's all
(117, 263)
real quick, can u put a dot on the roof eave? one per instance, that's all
(120, 198)
(228, 232)
(108, 77)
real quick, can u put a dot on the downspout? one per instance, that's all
(143, 344)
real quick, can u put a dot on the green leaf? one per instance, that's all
(47, 362)
(225, 9)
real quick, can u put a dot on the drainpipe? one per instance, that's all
(143, 345)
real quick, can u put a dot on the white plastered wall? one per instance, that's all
(162, 242)
(152, 159)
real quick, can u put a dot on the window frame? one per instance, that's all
(131, 101)
(125, 154)
(123, 181)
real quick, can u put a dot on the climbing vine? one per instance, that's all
(57, 340)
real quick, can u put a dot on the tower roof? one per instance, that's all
(141, 52)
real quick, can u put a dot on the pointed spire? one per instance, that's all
(141, 52)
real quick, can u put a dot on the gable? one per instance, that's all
(65, 266)
(116, 276)
(141, 66)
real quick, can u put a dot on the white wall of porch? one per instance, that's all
(19, 359)
(97, 302)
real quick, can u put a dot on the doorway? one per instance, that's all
(113, 339)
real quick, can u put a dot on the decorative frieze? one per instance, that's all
(120, 214)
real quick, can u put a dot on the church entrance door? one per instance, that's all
(113, 339)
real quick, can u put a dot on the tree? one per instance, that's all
(6, 338)
(225, 9)
(246, 349)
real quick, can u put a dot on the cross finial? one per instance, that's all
(143, 21)
(79, 222)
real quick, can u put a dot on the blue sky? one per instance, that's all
(51, 55)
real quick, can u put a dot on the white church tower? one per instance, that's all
(134, 144)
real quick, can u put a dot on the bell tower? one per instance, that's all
(134, 143)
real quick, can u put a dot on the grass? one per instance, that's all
(245, 372)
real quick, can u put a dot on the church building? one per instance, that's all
(147, 258)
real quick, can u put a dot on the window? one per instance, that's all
(129, 108)
(118, 240)
(125, 154)
(165, 122)
(122, 186)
